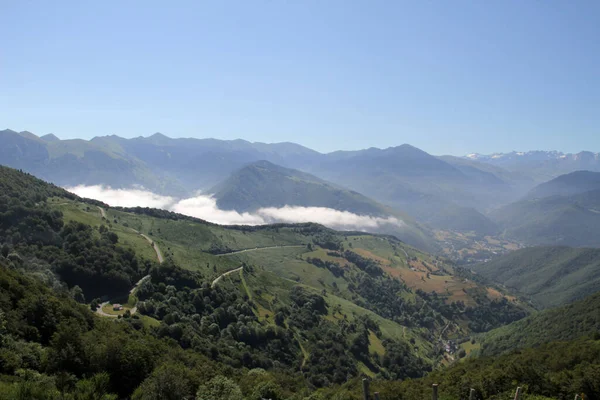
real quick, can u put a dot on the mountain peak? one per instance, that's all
(29, 135)
(50, 138)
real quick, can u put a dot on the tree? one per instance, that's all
(94, 388)
(167, 382)
(5, 250)
(219, 388)
(77, 294)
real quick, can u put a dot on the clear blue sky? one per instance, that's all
(450, 77)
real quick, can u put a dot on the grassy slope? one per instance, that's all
(563, 323)
(277, 270)
(551, 276)
(561, 220)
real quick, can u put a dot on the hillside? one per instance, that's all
(569, 322)
(328, 305)
(557, 220)
(550, 276)
(567, 185)
(557, 370)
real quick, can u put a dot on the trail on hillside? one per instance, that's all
(99, 310)
(102, 211)
(155, 247)
(213, 284)
(259, 248)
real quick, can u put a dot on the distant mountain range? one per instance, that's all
(541, 165)
(446, 192)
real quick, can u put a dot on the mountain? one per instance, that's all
(428, 188)
(264, 184)
(572, 220)
(77, 162)
(199, 164)
(551, 276)
(444, 193)
(568, 184)
(50, 138)
(568, 322)
(541, 165)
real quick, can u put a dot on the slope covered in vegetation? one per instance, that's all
(563, 323)
(312, 306)
(550, 275)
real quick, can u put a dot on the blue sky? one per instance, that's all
(450, 77)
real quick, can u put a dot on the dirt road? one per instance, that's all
(155, 247)
(258, 248)
(214, 283)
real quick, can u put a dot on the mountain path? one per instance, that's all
(259, 248)
(214, 283)
(159, 256)
(102, 211)
(155, 247)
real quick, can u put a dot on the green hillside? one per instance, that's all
(558, 220)
(563, 323)
(568, 184)
(550, 276)
(289, 298)
(557, 370)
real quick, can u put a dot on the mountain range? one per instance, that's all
(541, 165)
(462, 194)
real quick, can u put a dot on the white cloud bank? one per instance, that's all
(205, 207)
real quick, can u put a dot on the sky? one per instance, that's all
(449, 77)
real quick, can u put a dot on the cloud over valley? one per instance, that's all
(205, 207)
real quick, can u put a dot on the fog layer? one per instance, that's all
(205, 207)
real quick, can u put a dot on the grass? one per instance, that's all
(108, 309)
(470, 347)
(149, 322)
(375, 344)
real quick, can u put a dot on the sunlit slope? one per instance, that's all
(551, 275)
(367, 270)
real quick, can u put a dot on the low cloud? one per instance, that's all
(205, 207)
(123, 197)
(326, 216)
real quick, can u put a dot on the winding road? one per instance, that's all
(160, 258)
(214, 283)
(258, 248)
